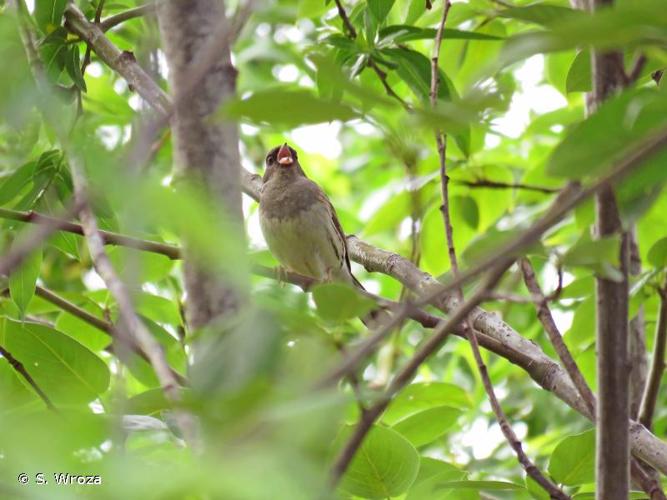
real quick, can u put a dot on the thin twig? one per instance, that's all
(652, 390)
(347, 24)
(545, 317)
(29, 241)
(20, 369)
(108, 237)
(637, 68)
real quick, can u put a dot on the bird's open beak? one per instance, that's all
(285, 156)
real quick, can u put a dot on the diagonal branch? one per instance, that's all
(547, 320)
(115, 20)
(20, 369)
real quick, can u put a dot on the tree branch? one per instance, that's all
(20, 369)
(30, 241)
(555, 337)
(115, 20)
(108, 237)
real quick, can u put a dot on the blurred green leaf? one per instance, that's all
(288, 107)
(542, 13)
(422, 396)
(400, 33)
(380, 9)
(385, 465)
(22, 281)
(426, 426)
(48, 14)
(573, 460)
(579, 75)
(657, 255)
(618, 125)
(338, 302)
(64, 369)
(73, 66)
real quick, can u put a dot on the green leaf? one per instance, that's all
(467, 207)
(49, 14)
(480, 485)
(657, 254)
(287, 107)
(422, 396)
(64, 369)
(573, 460)
(601, 255)
(579, 75)
(380, 9)
(22, 281)
(53, 52)
(618, 125)
(338, 302)
(431, 474)
(426, 426)
(93, 338)
(73, 66)
(385, 465)
(400, 33)
(490, 242)
(543, 14)
(15, 182)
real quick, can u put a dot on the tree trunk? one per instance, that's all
(206, 151)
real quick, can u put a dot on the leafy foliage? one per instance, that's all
(357, 109)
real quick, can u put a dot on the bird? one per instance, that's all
(299, 222)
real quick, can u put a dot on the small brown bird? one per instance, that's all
(299, 222)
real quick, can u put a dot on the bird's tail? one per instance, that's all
(374, 317)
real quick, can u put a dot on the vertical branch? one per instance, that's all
(206, 151)
(441, 142)
(637, 333)
(612, 438)
(657, 364)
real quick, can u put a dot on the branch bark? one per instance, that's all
(613, 411)
(206, 151)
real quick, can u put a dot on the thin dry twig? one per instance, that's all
(489, 184)
(555, 337)
(115, 20)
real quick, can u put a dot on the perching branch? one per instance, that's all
(657, 364)
(20, 369)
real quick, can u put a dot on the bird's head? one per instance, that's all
(283, 156)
